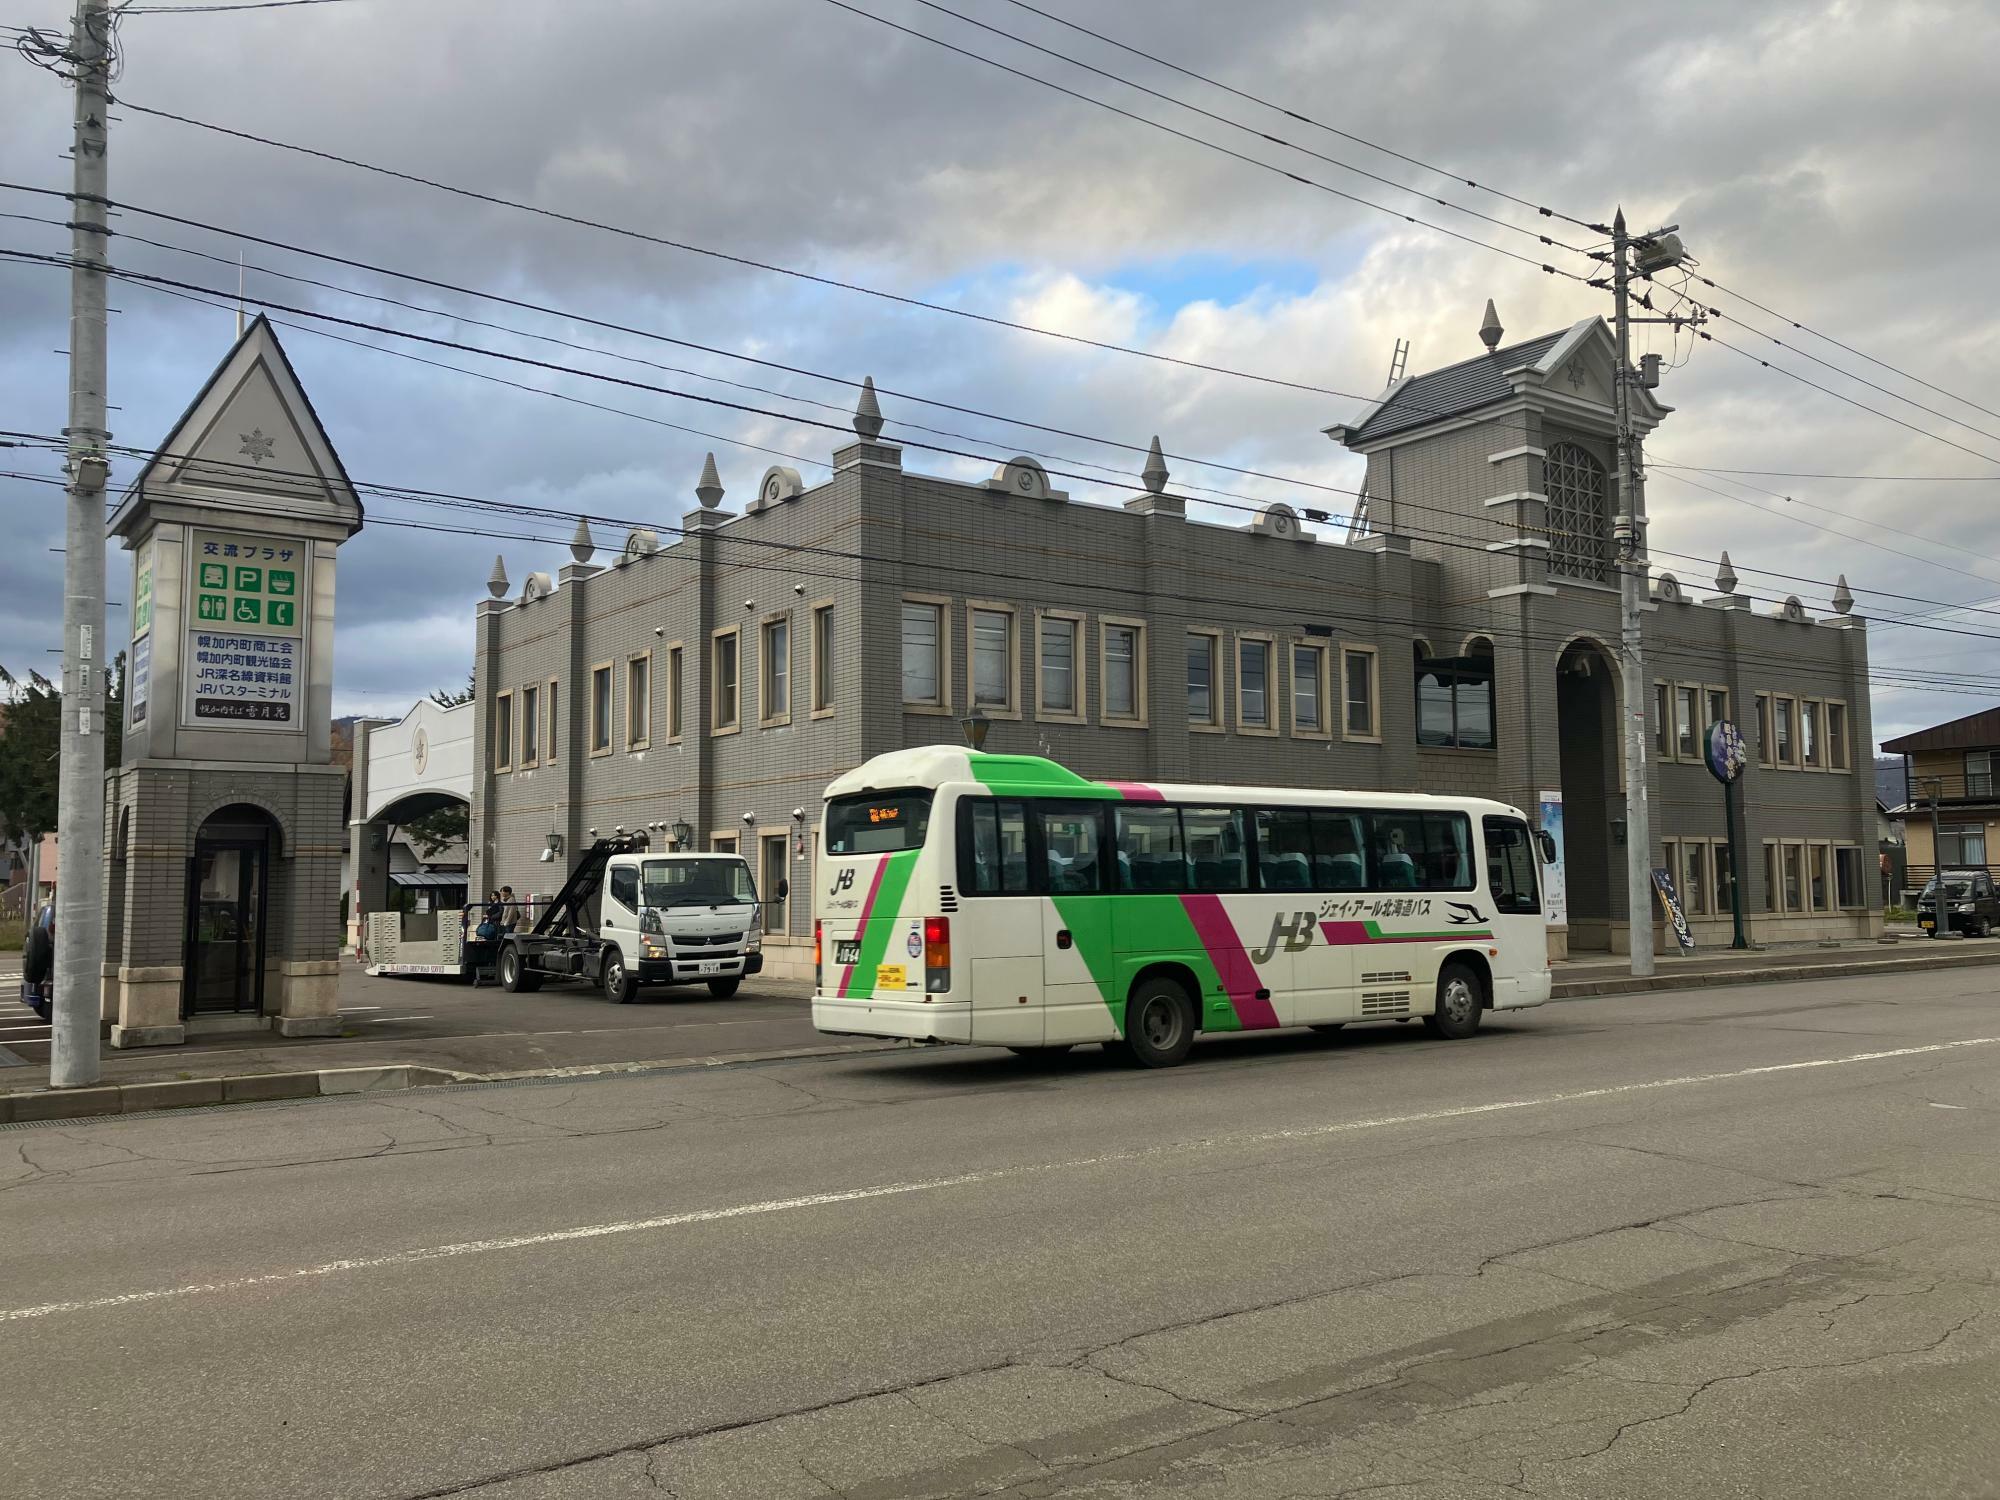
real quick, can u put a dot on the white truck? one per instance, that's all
(630, 917)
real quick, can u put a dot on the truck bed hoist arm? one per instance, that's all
(566, 913)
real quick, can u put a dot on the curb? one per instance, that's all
(260, 1088)
(1590, 989)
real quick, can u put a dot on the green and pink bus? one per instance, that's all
(1004, 900)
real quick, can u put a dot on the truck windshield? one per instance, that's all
(878, 822)
(696, 882)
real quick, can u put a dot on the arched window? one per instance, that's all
(1579, 528)
(1455, 697)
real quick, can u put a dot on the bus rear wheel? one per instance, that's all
(1460, 999)
(1159, 1024)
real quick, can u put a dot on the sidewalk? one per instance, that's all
(411, 1033)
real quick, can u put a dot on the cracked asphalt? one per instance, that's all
(1729, 1242)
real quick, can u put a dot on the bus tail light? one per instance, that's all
(816, 949)
(937, 954)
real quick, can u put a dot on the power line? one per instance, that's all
(199, 10)
(1216, 146)
(1864, 478)
(1547, 213)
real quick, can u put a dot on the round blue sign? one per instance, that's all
(1725, 752)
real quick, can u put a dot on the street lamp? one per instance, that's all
(975, 726)
(683, 834)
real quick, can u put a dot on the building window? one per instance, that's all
(1579, 533)
(1359, 696)
(1253, 685)
(1663, 742)
(1791, 863)
(1773, 890)
(924, 683)
(1765, 736)
(1204, 673)
(773, 862)
(1848, 888)
(1122, 670)
(1722, 867)
(600, 709)
(1962, 844)
(991, 628)
(774, 671)
(1308, 689)
(1687, 702)
(822, 659)
(503, 732)
(1693, 877)
(1455, 699)
(726, 680)
(1809, 744)
(1818, 874)
(1836, 736)
(555, 734)
(1718, 705)
(1785, 746)
(1059, 667)
(531, 724)
(1978, 775)
(675, 681)
(639, 701)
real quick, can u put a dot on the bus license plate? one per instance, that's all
(710, 966)
(889, 977)
(847, 951)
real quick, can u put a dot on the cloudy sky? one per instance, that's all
(1821, 158)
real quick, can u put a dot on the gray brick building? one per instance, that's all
(721, 678)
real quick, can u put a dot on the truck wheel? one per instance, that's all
(516, 978)
(1459, 999)
(722, 989)
(1159, 1024)
(619, 986)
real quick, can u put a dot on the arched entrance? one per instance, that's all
(229, 883)
(1587, 722)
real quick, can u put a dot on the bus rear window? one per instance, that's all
(878, 823)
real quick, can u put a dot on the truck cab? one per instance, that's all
(681, 918)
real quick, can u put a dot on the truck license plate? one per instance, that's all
(847, 951)
(710, 966)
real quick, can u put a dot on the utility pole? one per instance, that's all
(1629, 532)
(79, 967)
(1646, 254)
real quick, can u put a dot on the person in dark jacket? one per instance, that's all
(38, 965)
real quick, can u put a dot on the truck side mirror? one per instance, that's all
(783, 889)
(1547, 843)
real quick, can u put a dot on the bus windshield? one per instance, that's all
(696, 882)
(878, 822)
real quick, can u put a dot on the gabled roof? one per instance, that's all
(1452, 391)
(1978, 731)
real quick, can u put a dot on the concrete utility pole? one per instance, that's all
(79, 968)
(1629, 532)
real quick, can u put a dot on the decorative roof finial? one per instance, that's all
(582, 546)
(1843, 598)
(867, 411)
(496, 581)
(709, 488)
(1155, 472)
(1725, 576)
(1489, 327)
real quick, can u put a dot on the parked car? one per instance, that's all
(1972, 904)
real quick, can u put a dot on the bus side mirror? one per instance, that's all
(783, 889)
(1547, 843)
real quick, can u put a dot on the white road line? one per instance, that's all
(392, 1020)
(934, 1184)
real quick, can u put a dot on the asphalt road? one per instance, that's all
(1720, 1243)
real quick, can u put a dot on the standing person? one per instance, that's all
(510, 919)
(38, 965)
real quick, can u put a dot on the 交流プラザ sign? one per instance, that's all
(244, 663)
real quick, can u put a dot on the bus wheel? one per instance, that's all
(1159, 1024)
(1460, 996)
(722, 989)
(619, 986)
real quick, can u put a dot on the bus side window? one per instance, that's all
(1397, 842)
(1150, 854)
(1448, 852)
(1510, 862)
(1338, 847)
(993, 847)
(1071, 847)
(1216, 850)
(1284, 849)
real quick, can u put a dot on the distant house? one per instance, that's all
(1952, 764)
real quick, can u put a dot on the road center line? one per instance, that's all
(933, 1184)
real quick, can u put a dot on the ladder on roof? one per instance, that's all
(1357, 519)
(1399, 361)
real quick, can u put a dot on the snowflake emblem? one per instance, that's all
(1577, 376)
(256, 445)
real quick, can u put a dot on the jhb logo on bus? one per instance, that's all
(1292, 932)
(843, 896)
